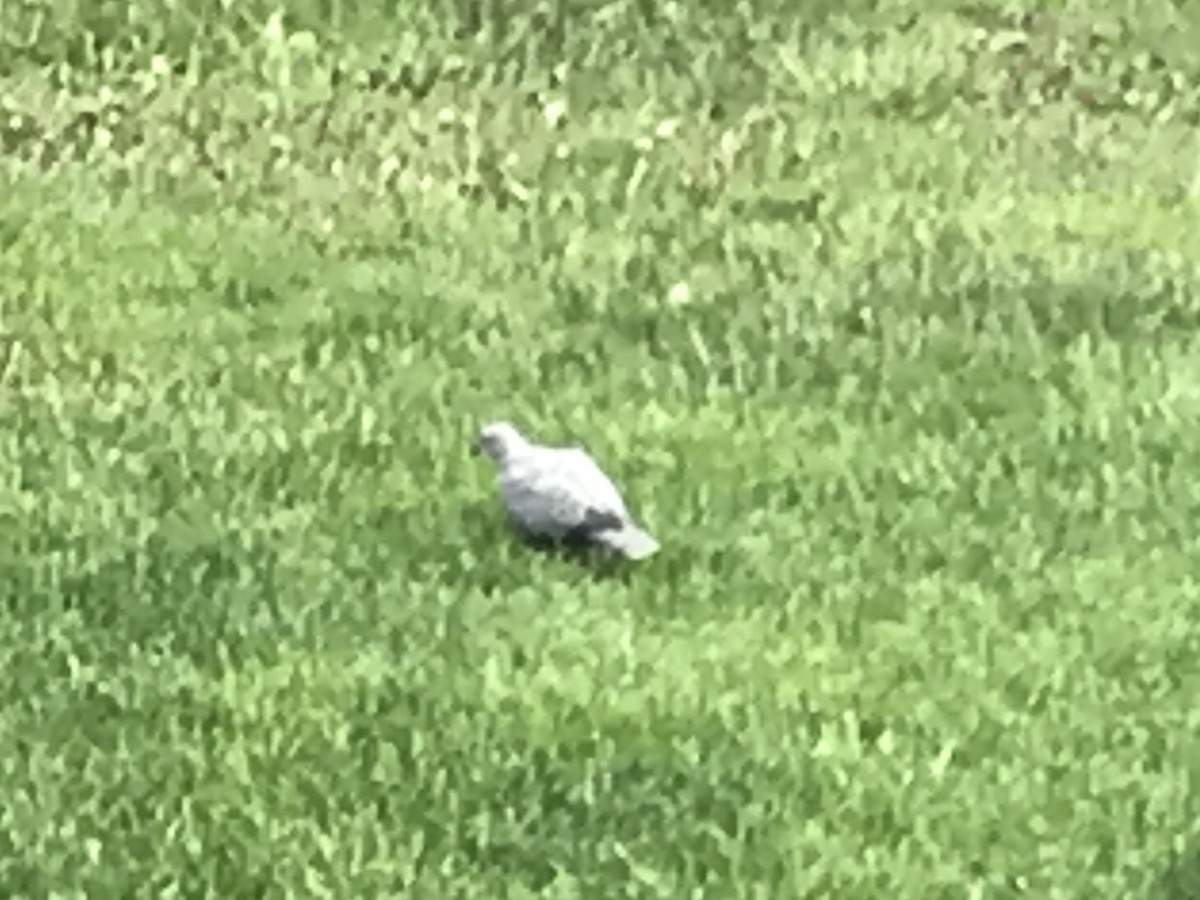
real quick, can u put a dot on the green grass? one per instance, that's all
(884, 314)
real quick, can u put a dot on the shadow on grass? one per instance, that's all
(1181, 879)
(595, 561)
(477, 547)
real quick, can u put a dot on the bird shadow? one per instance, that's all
(488, 540)
(1180, 879)
(599, 563)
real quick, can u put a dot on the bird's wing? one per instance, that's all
(558, 491)
(588, 478)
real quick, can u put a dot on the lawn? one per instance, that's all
(885, 315)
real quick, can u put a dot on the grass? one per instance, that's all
(884, 314)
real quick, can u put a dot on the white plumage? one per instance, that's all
(559, 493)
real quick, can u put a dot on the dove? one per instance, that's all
(560, 494)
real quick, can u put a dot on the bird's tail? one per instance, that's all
(630, 541)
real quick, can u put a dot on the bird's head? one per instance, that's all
(499, 440)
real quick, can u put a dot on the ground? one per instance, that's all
(883, 314)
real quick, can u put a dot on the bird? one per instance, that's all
(560, 494)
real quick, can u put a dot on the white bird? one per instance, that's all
(560, 494)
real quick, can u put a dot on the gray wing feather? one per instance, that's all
(556, 492)
(589, 480)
